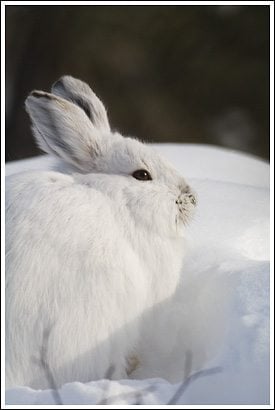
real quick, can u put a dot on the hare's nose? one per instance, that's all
(192, 199)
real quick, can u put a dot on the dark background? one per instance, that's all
(196, 74)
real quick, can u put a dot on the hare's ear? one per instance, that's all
(81, 94)
(63, 129)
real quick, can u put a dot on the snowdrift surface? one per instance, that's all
(219, 316)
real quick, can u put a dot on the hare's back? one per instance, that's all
(52, 197)
(49, 216)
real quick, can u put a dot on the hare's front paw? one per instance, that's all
(132, 364)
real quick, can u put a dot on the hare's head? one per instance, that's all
(71, 123)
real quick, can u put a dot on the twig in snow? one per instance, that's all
(190, 379)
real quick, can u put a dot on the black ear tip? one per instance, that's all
(38, 94)
(42, 94)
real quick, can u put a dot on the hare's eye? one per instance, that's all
(142, 175)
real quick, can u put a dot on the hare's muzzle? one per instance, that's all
(184, 198)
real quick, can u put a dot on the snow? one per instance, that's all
(215, 163)
(219, 317)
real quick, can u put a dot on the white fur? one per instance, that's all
(89, 250)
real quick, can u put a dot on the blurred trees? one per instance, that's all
(165, 73)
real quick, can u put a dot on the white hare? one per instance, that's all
(88, 249)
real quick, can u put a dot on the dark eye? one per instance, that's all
(142, 175)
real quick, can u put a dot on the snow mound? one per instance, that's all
(219, 317)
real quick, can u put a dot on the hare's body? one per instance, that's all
(87, 252)
(58, 278)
